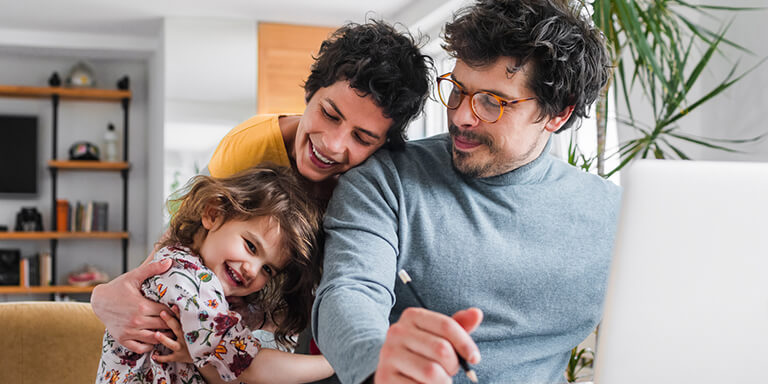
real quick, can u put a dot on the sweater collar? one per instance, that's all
(527, 174)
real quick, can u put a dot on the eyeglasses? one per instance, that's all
(485, 105)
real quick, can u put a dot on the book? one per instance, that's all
(45, 268)
(62, 215)
(88, 217)
(78, 217)
(24, 272)
(100, 216)
(34, 270)
(72, 218)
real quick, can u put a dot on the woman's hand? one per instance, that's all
(179, 346)
(130, 317)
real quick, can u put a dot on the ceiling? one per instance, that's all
(141, 17)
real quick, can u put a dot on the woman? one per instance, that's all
(367, 83)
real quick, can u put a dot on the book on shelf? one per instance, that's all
(88, 217)
(33, 263)
(35, 270)
(91, 216)
(45, 268)
(63, 212)
(24, 272)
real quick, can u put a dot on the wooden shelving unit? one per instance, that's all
(47, 289)
(57, 94)
(62, 235)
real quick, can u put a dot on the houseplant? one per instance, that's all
(658, 49)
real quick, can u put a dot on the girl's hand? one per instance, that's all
(178, 346)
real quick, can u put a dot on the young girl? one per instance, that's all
(252, 235)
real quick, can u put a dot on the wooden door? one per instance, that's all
(285, 56)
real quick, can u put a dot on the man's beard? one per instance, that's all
(462, 160)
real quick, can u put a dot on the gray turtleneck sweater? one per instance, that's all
(531, 248)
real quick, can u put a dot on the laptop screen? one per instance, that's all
(687, 299)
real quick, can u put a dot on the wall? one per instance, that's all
(738, 113)
(209, 87)
(81, 121)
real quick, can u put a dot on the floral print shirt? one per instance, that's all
(214, 334)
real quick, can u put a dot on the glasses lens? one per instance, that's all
(486, 106)
(450, 93)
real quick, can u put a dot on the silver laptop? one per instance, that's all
(687, 298)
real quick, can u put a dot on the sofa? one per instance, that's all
(49, 342)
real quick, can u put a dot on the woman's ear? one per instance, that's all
(210, 217)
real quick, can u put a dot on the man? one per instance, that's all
(490, 227)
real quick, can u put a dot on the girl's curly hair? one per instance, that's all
(270, 191)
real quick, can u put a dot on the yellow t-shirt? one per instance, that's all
(253, 142)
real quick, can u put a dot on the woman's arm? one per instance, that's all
(130, 317)
(268, 366)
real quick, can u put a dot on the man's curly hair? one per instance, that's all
(379, 61)
(570, 63)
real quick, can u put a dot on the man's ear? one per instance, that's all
(558, 120)
(210, 217)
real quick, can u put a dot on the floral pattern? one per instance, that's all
(214, 334)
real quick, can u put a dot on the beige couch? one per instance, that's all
(49, 342)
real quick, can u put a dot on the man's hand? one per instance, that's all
(420, 347)
(128, 315)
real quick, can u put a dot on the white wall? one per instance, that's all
(738, 113)
(210, 86)
(80, 120)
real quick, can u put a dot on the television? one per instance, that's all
(18, 156)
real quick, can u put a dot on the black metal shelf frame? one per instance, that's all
(125, 103)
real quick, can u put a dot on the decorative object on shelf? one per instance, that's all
(81, 75)
(124, 83)
(111, 144)
(54, 80)
(83, 150)
(29, 220)
(9, 266)
(87, 276)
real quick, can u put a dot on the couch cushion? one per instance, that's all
(49, 342)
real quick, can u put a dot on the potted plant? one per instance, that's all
(660, 50)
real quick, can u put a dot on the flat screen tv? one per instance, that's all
(18, 156)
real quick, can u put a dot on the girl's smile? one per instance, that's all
(244, 255)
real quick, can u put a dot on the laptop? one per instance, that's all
(687, 298)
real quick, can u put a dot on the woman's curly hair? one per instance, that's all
(570, 63)
(262, 191)
(379, 61)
